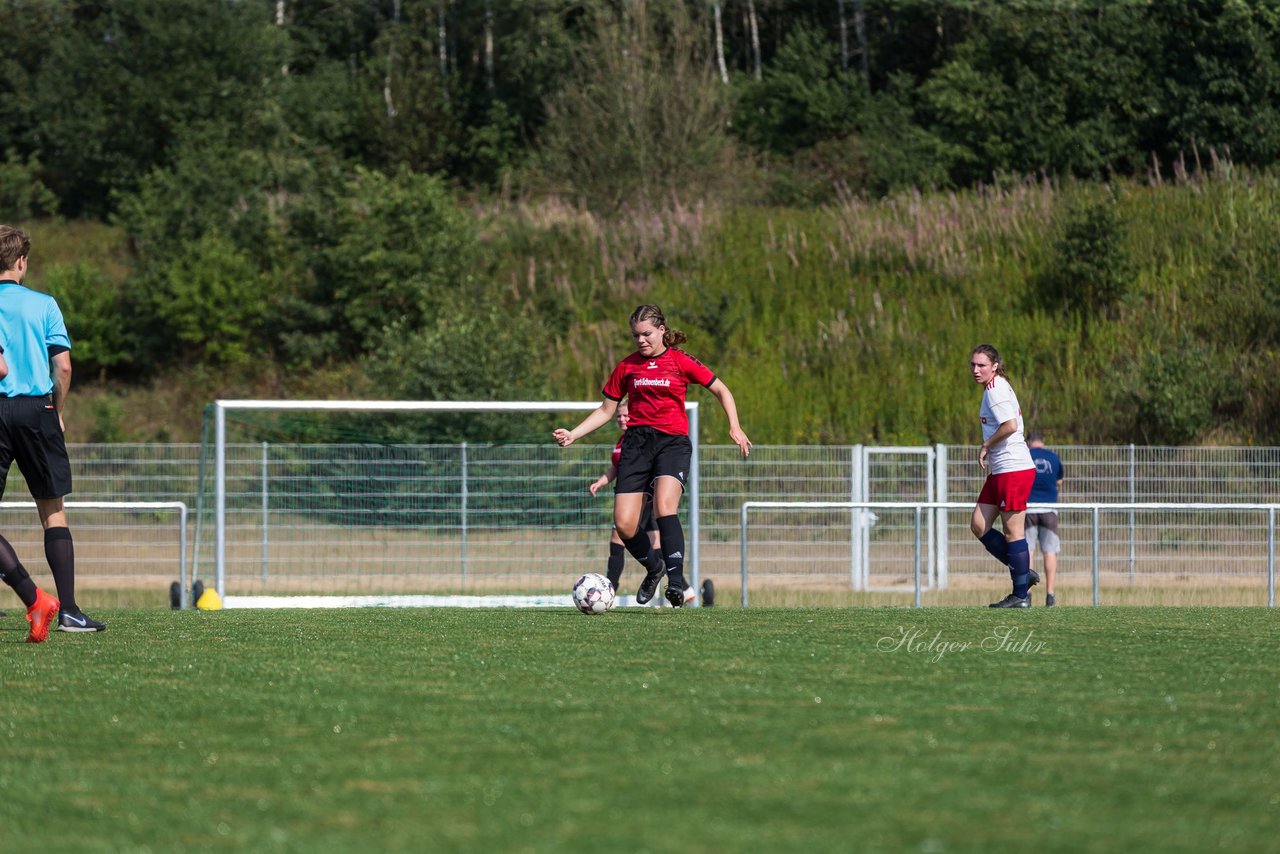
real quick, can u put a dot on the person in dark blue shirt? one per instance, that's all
(32, 396)
(1042, 526)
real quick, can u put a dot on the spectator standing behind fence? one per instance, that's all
(1042, 526)
(32, 397)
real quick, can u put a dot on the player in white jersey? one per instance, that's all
(1010, 473)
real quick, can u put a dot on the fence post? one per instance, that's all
(855, 516)
(1133, 480)
(744, 553)
(1096, 601)
(220, 500)
(1271, 557)
(940, 556)
(265, 514)
(693, 546)
(463, 515)
(916, 561)
(182, 555)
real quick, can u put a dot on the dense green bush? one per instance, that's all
(400, 248)
(1088, 271)
(93, 307)
(22, 194)
(1181, 392)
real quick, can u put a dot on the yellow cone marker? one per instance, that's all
(209, 600)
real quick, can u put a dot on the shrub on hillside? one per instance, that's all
(1180, 393)
(22, 194)
(1088, 272)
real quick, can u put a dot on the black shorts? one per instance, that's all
(649, 454)
(648, 519)
(31, 436)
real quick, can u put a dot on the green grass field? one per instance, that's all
(643, 730)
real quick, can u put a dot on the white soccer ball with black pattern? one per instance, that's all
(593, 594)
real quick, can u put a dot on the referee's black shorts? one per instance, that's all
(648, 454)
(31, 436)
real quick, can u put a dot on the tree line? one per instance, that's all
(310, 184)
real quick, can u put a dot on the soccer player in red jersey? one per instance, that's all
(656, 450)
(1011, 472)
(617, 551)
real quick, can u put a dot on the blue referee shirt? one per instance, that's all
(30, 324)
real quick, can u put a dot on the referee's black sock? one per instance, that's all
(61, 554)
(672, 534)
(642, 550)
(617, 560)
(15, 574)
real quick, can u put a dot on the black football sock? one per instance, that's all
(672, 534)
(61, 555)
(617, 560)
(642, 550)
(15, 574)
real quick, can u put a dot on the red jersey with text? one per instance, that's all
(655, 388)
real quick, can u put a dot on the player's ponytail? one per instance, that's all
(994, 355)
(653, 314)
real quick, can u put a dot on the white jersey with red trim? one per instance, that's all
(1000, 404)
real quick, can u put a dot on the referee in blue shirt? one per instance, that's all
(32, 395)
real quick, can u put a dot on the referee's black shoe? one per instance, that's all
(649, 586)
(1012, 601)
(78, 621)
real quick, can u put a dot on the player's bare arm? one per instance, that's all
(61, 383)
(722, 393)
(598, 417)
(603, 480)
(1004, 431)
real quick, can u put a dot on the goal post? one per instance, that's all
(412, 519)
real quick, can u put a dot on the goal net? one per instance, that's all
(351, 503)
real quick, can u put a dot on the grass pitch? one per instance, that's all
(714, 730)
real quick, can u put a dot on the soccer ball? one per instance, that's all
(593, 594)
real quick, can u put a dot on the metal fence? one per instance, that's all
(528, 505)
(1259, 561)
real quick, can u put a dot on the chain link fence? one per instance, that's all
(403, 515)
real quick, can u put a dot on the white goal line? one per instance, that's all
(415, 601)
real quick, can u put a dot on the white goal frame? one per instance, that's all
(222, 407)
